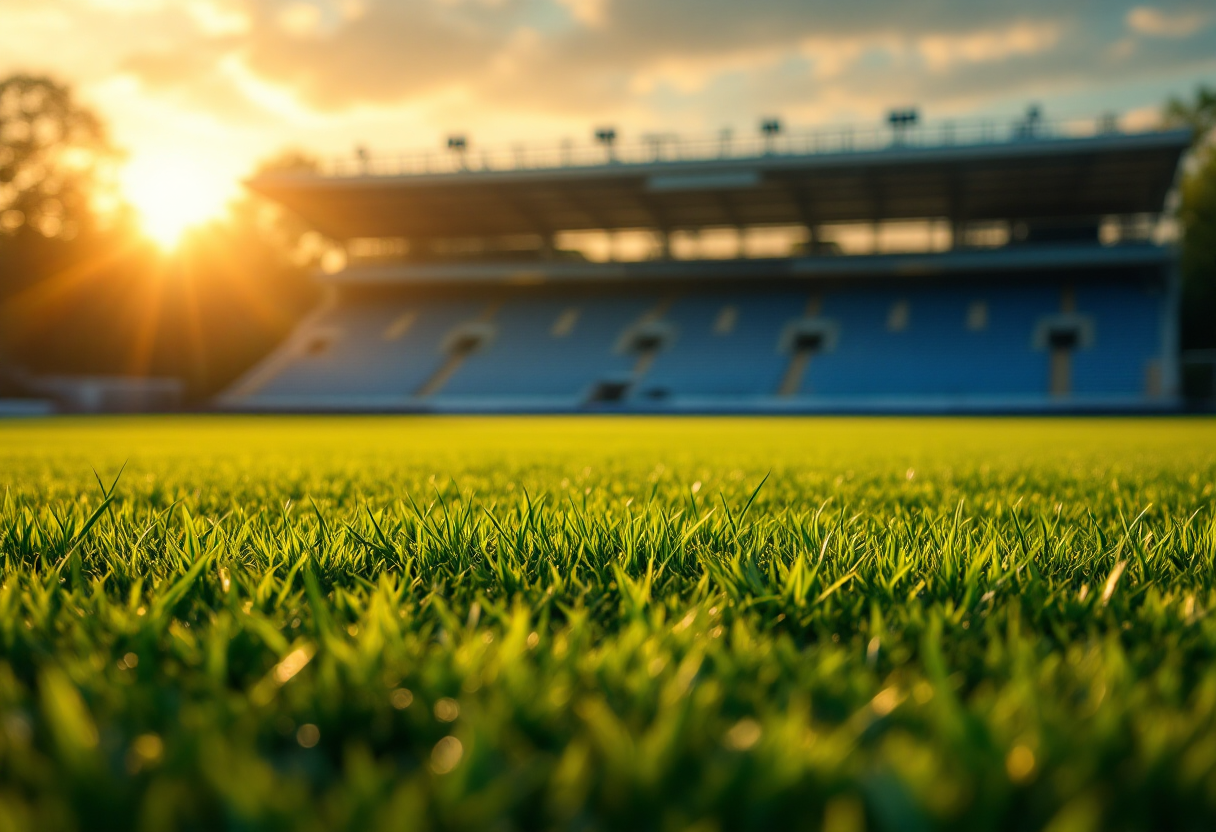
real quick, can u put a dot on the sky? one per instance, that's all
(198, 91)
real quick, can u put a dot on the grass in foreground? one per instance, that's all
(595, 624)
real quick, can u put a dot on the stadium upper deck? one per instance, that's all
(959, 175)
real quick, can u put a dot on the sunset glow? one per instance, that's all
(172, 193)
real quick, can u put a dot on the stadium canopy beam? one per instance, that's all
(1115, 174)
(598, 221)
(512, 203)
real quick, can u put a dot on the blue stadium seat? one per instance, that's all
(743, 362)
(914, 342)
(359, 360)
(527, 360)
(1125, 339)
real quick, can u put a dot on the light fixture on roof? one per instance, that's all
(1029, 126)
(769, 128)
(901, 122)
(458, 144)
(607, 137)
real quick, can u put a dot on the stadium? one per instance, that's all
(803, 477)
(966, 266)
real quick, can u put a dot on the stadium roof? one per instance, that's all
(1025, 178)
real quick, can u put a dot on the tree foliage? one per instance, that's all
(54, 158)
(1198, 114)
(1197, 215)
(1197, 218)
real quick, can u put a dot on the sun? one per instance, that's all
(171, 193)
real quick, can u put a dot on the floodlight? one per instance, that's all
(1028, 127)
(607, 137)
(458, 144)
(770, 127)
(901, 121)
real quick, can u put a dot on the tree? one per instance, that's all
(1197, 218)
(54, 158)
(1199, 115)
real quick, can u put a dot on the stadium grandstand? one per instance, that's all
(987, 266)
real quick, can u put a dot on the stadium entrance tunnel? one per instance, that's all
(458, 345)
(609, 391)
(318, 344)
(809, 335)
(1061, 336)
(647, 337)
(469, 338)
(1064, 331)
(801, 340)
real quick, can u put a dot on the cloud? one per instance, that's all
(588, 12)
(216, 19)
(202, 80)
(942, 52)
(339, 55)
(300, 19)
(340, 71)
(582, 57)
(579, 57)
(1147, 20)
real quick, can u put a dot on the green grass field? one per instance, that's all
(584, 623)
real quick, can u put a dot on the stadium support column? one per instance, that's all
(958, 233)
(807, 217)
(1061, 345)
(802, 349)
(814, 239)
(1171, 346)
